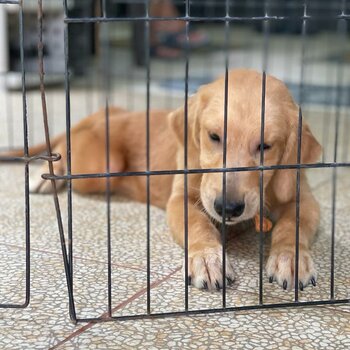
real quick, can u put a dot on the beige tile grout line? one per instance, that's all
(118, 307)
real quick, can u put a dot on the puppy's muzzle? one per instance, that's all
(231, 209)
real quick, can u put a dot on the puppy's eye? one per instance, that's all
(214, 137)
(265, 147)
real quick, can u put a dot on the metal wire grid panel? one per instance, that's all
(227, 20)
(26, 159)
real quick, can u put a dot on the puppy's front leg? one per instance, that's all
(281, 262)
(204, 244)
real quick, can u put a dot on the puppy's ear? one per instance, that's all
(196, 104)
(285, 180)
(311, 150)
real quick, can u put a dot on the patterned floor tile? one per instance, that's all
(46, 318)
(309, 328)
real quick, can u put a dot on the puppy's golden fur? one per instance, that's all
(205, 118)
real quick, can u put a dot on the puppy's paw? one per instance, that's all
(281, 265)
(205, 268)
(38, 185)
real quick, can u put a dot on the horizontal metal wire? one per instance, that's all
(251, 4)
(204, 19)
(53, 158)
(14, 306)
(196, 171)
(215, 310)
(10, 2)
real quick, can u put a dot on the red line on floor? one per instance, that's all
(132, 267)
(119, 306)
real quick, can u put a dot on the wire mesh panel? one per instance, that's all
(15, 284)
(230, 20)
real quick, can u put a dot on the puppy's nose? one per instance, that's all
(232, 209)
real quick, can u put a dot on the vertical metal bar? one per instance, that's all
(51, 99)
(342, 34)
(4, 59)
(207, 8)
(297, 210)
(26, 153)
(345, 148)
(299, 139)
(104, 9)
(262, 137)
(130, 90)
(68, 145)
(107, 74)
(224, 156)
(108, 201)
(187, 53)
(88, 89)
(53, 183)
(169, 71)
(261, 189)
(129, 73)
(148, 82)
(4, 67)
(327, 114)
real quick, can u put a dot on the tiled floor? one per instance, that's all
(45, 323)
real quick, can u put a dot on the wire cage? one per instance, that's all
(303, 43)
(12, 280)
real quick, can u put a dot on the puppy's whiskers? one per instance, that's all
(204, 211)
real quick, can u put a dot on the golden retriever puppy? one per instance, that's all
(205, 150)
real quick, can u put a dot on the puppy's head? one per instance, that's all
(206, 142)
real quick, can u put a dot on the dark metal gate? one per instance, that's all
(301, 16)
